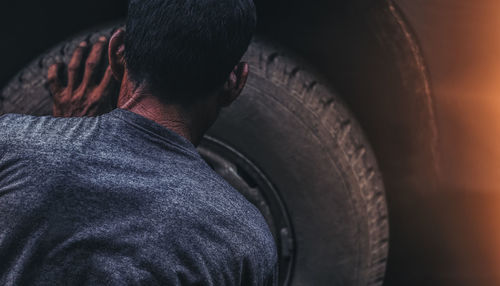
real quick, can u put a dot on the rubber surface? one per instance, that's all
(297, 131)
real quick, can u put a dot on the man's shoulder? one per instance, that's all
(14, 121)
(21, 129)
(248, 234)
(212, 203)
(228, 209)
(226, 227)
(17, 129)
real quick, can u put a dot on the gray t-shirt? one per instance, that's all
(121, 200)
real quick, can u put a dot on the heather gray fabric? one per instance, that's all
(120, 200)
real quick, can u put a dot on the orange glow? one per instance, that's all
(460, 40)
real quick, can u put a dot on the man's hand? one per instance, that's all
(89, 97)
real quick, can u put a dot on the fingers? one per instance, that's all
(74, 67)
(93, 60)
(108, 80)
(55, 85)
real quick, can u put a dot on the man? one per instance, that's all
(124, 198)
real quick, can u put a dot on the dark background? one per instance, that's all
(31, 27)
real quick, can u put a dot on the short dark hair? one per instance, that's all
(186, 48)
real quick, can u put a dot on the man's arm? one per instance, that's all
(89, 96)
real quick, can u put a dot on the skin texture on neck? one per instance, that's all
(190, 123)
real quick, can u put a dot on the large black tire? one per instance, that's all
(300, 136)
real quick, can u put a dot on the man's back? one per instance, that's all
(119, 199)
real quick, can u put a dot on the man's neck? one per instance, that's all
(173, 117)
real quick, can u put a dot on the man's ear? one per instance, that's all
(234, 84)
(116, 54)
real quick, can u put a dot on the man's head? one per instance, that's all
(184, 50)
(179, 60)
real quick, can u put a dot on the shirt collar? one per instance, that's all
(151, 126)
